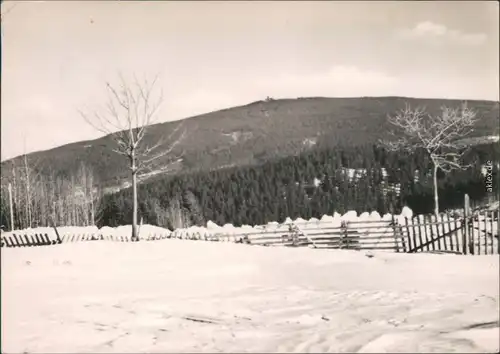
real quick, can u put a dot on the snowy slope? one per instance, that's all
(191, 296)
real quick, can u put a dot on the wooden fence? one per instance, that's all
(46, 239)
(18, 240)
(379, 234)
(476, 234)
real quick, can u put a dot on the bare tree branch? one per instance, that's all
(439, 135)
(168, 144)
(130, 111)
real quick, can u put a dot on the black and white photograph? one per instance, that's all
(250, 176)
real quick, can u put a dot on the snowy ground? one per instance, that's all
(194, 296)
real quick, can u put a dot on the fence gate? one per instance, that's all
(475, 235)
(440, 236)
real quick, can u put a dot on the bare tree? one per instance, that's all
(61, 187)
(94, 196)
(130, 109)
(15, 193)
(5, 203)
(438, 135)
(29, 196)
(24, 178)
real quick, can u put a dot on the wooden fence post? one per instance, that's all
(428, 241)
(407, 228)
(395, 233)
(299, 230)
(465, 234)
(412, 240)
(402, 235)
(498, 229)
(486, 232)
(444, 231)
(17, 244)
(345, 234)
(9, 242)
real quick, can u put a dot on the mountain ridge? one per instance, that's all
(253, 133)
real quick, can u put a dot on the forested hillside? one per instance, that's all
(314, 183)
(250, 134)
(250, 164)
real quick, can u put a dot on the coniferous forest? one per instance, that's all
(314, 183)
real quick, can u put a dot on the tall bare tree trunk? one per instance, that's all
(54, 213)
(134, 207)
(60, 197)
(14, 185)
(74, 215)
(11, 208)
(436, 197)
(92, 212)
(51, 199)
(134, 192)
(84, 183)
(91, 198)
(40, 209)
(28, 191)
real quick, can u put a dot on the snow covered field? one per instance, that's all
(190, 296)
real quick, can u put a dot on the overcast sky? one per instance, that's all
(57, 55)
